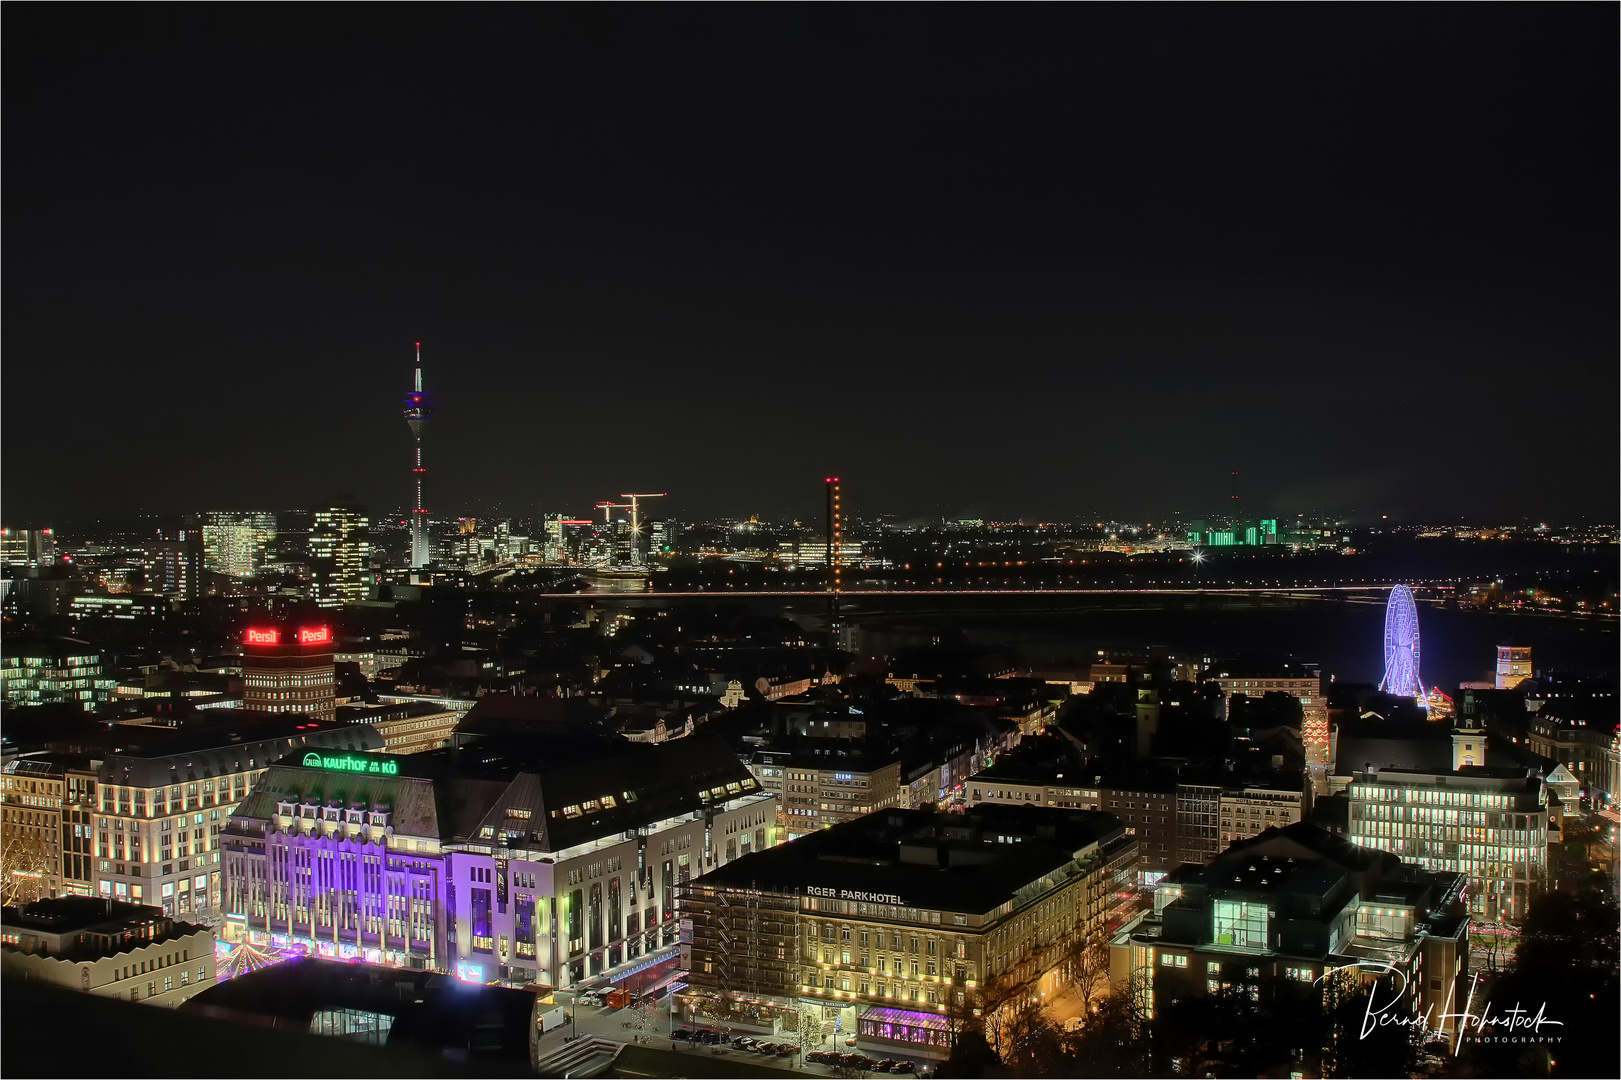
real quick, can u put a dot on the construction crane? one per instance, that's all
(636, 522)
(634, 506)
(635, 518)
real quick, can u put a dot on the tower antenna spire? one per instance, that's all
(418, 411)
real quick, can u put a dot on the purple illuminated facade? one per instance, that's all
(514, 873)
(1401, 647)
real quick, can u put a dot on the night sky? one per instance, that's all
(1046, 260)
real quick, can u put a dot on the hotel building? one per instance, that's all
(891, 921)
(549, 859)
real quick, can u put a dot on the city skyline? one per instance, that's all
(1060, 278)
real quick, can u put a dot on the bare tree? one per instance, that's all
(1086, 966)
(25, 868)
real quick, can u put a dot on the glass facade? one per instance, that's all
(1239, 923)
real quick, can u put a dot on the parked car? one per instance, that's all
(744, 1043)
(821, 1056)
(903, 1067)
(885, 1065)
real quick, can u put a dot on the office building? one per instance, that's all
(176, 560)
(1275, 913)
(1234, 534)
(27, 547)
(1513, 665)
(663, 537)
(128, 951)
(162, 799)
(289, 670)
(93, 609)
(408, 727)
(819, 791)
(234, 543)
(885, 923)
(1489, 823)
(813, 554)
(340, 556)
(549, 859)
(1254, 807)
(43, 670)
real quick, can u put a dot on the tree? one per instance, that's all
(1114, 1041)
(967, 1012)
(25, 868)
(1086, 966)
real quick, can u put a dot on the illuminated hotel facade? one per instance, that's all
(289, 671)
(550, 860)
(889, 921)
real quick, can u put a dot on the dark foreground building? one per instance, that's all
(1291, 906)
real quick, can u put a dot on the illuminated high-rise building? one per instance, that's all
(418, 411)
(289, 670)
(176, 566)
(30, 547)
(340, 555)
(234, 542)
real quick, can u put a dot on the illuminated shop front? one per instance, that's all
(922, 1033)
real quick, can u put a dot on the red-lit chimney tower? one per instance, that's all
(835, 547)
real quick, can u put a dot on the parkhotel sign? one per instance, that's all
(859, 897)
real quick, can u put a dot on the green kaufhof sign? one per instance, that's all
(352, 763)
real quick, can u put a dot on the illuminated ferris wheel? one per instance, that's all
(1401, 646)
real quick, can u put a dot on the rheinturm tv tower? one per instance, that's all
(418, 411)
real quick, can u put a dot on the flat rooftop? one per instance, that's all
(969, 863)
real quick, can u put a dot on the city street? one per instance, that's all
(629, 1026)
